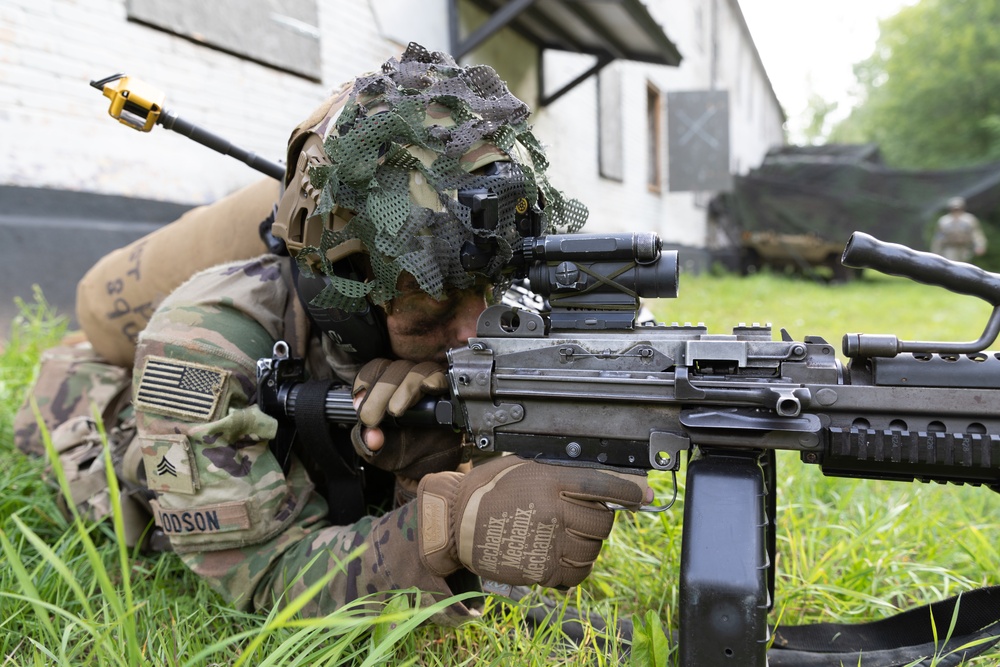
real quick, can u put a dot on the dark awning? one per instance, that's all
(608, 29)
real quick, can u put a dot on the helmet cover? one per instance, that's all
(406, 141)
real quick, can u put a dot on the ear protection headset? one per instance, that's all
(362, 334)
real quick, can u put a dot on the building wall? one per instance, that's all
(55, 126)
(718, 54)
(56, 133)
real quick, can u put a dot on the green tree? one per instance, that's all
(932, 86)
(817, 115)
(851, 130)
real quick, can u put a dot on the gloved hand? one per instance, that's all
(383, 387)
(518, 522)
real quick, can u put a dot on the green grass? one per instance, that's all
(848, 550)
(876, 304)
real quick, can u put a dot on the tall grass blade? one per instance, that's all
(281, 617)
(52, 559)
(128, 619)
(122, 612)
(30, 593)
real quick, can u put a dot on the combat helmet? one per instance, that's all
(416, 168)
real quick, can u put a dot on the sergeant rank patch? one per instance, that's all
(169, 464)
(180, 389)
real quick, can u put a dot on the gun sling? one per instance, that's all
(902, 639)
(339, 478)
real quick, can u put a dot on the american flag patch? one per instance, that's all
(180, 389)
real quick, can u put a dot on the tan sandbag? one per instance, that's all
(116, 298)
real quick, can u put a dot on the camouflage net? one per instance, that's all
(425, 123)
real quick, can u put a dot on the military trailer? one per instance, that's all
(796, 210)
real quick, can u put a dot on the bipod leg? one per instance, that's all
(724, 562)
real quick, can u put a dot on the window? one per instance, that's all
(654, 137)
(609, 124)
(280, 33)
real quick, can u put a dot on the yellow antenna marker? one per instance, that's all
(140, 106)
(133, 102)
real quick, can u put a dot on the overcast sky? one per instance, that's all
(811, 46)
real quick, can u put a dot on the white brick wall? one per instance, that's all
(55, 132)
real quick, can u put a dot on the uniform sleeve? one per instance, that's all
(258, 535)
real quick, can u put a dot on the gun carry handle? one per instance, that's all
(866, 252)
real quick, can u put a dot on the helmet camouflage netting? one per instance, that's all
(407, 139)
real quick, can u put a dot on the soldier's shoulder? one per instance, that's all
(237, 283)
(258, 289)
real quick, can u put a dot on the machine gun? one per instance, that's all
(582, 383)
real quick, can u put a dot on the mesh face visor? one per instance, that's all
(408, 143)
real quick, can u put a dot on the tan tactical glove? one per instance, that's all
(521, 522)
(392, 387)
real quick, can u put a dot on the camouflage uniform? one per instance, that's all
(75, 387)
(255, 533)
(255, 528)
(958, 236)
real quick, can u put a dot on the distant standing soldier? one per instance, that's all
(958, 235)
